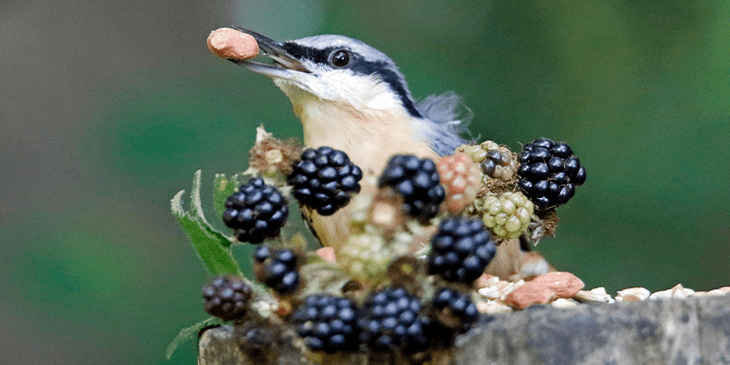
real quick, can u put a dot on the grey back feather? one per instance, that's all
(445, 117)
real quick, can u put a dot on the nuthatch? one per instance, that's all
(351, 97)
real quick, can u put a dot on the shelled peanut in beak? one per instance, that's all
(232, 44)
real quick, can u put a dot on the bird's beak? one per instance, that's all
(285, 65)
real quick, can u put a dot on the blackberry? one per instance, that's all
(460, 250)
(328, 324)
(390, 321)
(324, 179)
(261, 253)
(277, 269)
(227, 297)
(256, 212)
(549, 173)
(456, 306)
(417, 181)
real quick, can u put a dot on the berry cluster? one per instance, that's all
(278, 270)
(456, 305)
(324, 179)
(257, 211)
(226, 297)
(507, 215)
(328, 324)
(461, 178)
(382, 241)
(549, 173)
(390, 321)
(417, 181)
(461, 250)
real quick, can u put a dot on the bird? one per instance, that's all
(352, 97)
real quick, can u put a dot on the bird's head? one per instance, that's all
(350, 96)
(335, 69)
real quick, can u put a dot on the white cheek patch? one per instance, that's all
(383, 100)
(360, 91)
(342, 86)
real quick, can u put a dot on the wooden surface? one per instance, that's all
(694, 330)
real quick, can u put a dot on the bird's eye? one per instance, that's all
(340, 58)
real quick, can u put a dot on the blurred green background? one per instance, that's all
(107, 108)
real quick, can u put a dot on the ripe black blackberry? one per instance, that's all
(460, 249)
(227, 297)
(455, 306)
(277, 269)
(257, 211)
(328, 324)
(549, 173)
(417, 180)
(261, 253)
(390, 321)
(324, 179)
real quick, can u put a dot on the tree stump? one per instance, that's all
(693, 330)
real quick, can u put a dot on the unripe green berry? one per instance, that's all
(507, 215)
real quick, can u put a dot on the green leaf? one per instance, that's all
(222, 190)
(224, 187)
(195, 206)
(189, 333)
(212, 247)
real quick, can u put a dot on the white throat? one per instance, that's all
(368, 130)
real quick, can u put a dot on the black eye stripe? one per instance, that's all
(312, 54)
(358, 65)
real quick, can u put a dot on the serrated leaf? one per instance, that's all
(176, 204)
(196, 207)
(212, 247)
(196, 212)
(189, 333)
